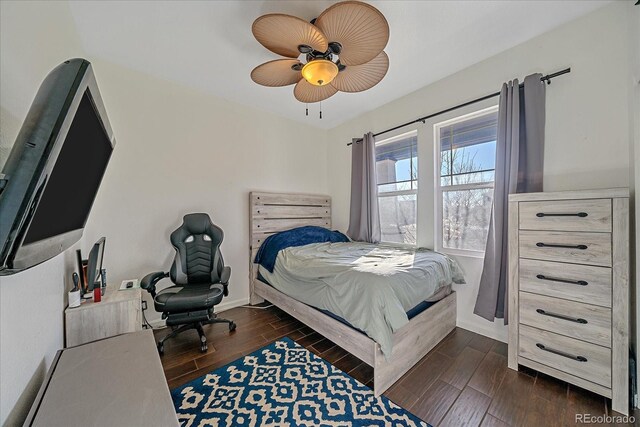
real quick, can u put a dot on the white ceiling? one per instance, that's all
(209, 45)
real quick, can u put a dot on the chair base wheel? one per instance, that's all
(160, 348)
(232, 326)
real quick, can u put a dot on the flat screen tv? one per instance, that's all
(52, 175)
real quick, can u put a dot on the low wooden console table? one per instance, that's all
(118, 381)
(117, 313)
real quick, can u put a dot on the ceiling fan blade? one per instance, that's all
(282, 34)
(356, 78)
(308, 93)
(359, 27)
(276, 73)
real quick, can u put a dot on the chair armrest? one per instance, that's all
(224, 280)
(225, 275)
(149, 281)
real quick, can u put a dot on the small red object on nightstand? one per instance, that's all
(97, 294)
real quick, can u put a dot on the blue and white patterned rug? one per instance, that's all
(283, 384)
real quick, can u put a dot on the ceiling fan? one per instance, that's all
(342, 50)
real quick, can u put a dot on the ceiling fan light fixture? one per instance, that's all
(343, 49)
(320, 72)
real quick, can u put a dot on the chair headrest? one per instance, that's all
(196, 224)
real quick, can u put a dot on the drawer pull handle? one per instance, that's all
(562, 316)
(579, 214)
(561, 353)
(552, 245)
(555, 279)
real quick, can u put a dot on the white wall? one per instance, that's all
(180, 151)
(177, 151)
(587, 130)
(31, 331)
(34, 38)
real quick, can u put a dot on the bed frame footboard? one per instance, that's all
(413, 341)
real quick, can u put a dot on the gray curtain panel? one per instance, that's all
(364, 217)
(519, 167)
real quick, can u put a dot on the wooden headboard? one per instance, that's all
(271, 213)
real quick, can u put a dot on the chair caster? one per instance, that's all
(232, 326)
(161, 348)
(203, 344)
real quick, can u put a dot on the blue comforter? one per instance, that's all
(300, 236)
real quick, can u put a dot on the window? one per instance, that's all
(466, 161)
(397, 174)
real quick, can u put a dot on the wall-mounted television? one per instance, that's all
(52, 175)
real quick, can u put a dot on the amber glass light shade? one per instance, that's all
(319, 72)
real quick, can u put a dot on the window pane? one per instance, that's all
(465, 218)
(471, 131)
(467, 151)
(397, 160)
(398, 218)
(474, 157)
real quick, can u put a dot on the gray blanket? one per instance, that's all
(370, 286)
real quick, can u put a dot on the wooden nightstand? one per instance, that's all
(119, 312)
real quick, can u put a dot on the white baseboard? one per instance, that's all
(227, 305)
(479, 328)
(231, 304)
(157, 323)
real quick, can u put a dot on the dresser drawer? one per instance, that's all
(583, 283)
(574, 319)
(574, 247)
(566, 215)
(587, 361)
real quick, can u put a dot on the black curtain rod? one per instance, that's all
(546, 78)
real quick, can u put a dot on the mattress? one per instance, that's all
(373, 288)
(422, 306)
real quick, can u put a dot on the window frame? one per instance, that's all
(440, 189)
(410, 192)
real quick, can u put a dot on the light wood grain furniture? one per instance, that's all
(114, 382)
(117, 313)
(569, 288)
(274, 212)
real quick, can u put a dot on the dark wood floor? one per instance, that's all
(463, 381)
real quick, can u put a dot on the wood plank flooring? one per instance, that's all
(463, 381)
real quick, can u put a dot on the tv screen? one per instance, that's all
(52, 175)
(75, 178)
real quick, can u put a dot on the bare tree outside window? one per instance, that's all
(467, 169)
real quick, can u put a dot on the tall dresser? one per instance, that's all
(569, 288)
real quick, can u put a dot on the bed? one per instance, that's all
(271, 213)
